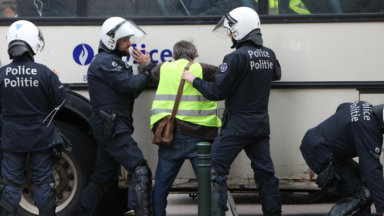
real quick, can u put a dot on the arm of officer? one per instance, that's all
(225, 79)
(368, 145)
(57, 90)
(121, 79)
(276, 71)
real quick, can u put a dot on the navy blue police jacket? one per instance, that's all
(29, 92)
(113, 88)
(352, 131)
(244, 81)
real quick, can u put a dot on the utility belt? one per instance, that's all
(329, 178)
(110, 119)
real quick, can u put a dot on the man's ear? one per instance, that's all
(173, 56)
(194, 56)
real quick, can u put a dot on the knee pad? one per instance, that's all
(357, 204)
(218, 193)
(6, 209)
(140, 194)
(50, 208)
(269, 195)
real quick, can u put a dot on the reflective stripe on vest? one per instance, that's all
(183, 98)
(186, 112)
(193, 107)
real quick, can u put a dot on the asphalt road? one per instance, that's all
(246, 204)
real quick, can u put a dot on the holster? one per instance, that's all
(109, 122)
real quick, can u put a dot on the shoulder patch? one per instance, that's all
(114, 64)
(224, 67)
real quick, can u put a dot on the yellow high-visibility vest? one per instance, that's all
(295, 5)
(193, 106)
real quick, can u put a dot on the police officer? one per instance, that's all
(113, 89)
(356, 129)
(30, 94)
(244, 81)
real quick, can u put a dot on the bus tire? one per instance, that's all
(302, 197)
(72, 174)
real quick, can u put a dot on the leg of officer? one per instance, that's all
(13, 167)
(224, 151)
(265, 179)
(351, 178)
(101, 182)
(352, 183)
(125, 151)
(41, 163)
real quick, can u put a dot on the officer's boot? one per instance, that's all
(355, 204)
(6, 209)
(140, 191)
(50, 208)
(218, 193)
(269, 195)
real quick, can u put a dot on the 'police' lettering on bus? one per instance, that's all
(21, 81)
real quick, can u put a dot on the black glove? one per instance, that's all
(328, 178)
(67, 145)
(57, 150)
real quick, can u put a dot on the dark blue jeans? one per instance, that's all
(171, 158)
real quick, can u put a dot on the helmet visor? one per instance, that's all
(139, 34)
(220, 30)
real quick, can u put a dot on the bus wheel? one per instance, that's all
(72, 174)
(306, 197)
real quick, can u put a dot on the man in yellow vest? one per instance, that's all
(196, 118)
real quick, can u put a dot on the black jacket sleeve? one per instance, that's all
(122, 79)
(225, 80)
(57, 90)
(276, 71)
(368, 142)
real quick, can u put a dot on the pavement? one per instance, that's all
(247, 204)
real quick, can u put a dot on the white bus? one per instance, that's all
(330, 51)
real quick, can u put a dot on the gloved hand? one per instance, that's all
(67, 145)
(324, 179)
(329, 178)
(57, 150)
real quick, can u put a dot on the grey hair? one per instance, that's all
(186, 48)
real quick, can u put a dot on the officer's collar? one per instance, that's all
(254, 37)
(26, 57)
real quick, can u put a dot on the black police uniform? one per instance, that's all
(29, 92)
(113, 89)
(352, 131)
(244, 81)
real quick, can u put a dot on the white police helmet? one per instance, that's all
(115, 28)
(27, 32)
(240, 22)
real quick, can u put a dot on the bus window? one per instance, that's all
(38, 8)
(124, 8)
